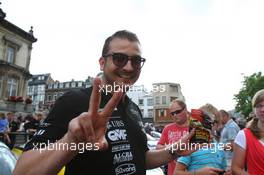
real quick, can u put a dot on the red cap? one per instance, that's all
(197, 114)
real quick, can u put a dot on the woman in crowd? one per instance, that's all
(249, 143)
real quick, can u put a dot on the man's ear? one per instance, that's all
(102, 63)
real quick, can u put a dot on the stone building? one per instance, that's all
(15, 55)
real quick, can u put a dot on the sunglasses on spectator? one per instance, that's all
(121, 59)
(176, 112)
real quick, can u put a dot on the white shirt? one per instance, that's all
(241, 139)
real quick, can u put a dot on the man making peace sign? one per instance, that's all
(98, 130)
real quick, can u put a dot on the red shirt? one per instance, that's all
(172, 133)
(254, 154)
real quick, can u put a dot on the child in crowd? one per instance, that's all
(209, 159)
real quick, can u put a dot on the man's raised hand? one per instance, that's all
(90, 126)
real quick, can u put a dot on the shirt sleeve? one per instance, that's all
(186, 160)
(241, 139)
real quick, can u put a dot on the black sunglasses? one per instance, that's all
(177, 112)
(121, 59)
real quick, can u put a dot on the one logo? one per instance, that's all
(127, 169)
(122, 147)
(122, 157)
(117, 134)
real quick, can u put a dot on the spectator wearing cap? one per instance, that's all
(249, 142)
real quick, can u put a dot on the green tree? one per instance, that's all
(251, 85)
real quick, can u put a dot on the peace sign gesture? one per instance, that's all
(90, 127)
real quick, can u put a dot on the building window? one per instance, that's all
(49, 98)
(163, 100)
(140, 102)
(50, 86)
(30, 89)
(12, 85)
(43, 87)
(157, 100)
(55, 96)
(162, 112)
(10, 56)
(41, 77)
(39, 87)
(174, 89)
(67, 85)
(55, 85)
(41, 98)
(79, 84)
(61, 85)
(73, 84)
(150, 101)
(150, 113)
(172, 98)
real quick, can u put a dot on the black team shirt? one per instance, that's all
(127, 141)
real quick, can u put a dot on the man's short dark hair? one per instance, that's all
(122, 34)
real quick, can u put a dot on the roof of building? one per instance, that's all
(13, 28)
(38, 79)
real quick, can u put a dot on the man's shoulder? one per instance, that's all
(79, 92)
(76, 94)
(168, 126)
(232, 124)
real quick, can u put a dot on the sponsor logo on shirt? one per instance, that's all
(123, 147)
(115, 124)
(125, 169)
(117, 135)
(122, 157)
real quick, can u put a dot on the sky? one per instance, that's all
(206, 46)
